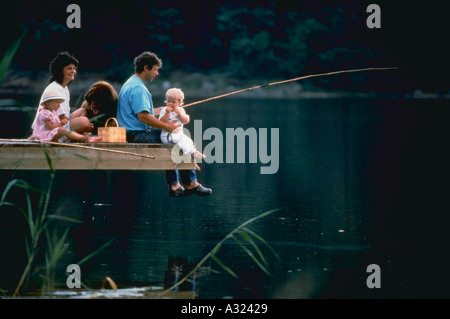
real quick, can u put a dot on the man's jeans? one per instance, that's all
(153, 135)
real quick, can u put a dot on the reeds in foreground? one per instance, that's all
(240, 234)
(6, 60)
(41, 234)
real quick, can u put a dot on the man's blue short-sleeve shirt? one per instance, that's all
(134, 98)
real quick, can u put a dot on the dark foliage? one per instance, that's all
(265, 39)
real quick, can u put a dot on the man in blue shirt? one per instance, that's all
(135, 113)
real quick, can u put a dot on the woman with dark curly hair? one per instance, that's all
(100, 103)
(63, 69)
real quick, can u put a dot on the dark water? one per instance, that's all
(359, 183)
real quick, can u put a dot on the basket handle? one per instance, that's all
(113, 118)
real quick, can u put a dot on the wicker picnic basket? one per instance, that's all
(112, 134)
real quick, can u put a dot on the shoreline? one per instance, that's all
(196, 87)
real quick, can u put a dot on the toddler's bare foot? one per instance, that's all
(85, 138)
(96, 139)
(198, 155)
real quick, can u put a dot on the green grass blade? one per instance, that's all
(95, 118)
(31, 223)
(258, 217)
(19, 208)
(216, 248)
(59, 249)
(263, 241)
(64, 218)
(49, 160)
(225, 267)
(95, 252)
(27, 248)
(74, 154)
(49, 243)
(249, 240)
(15, 182)
(252, 256)
(26, 187)
(8, 57)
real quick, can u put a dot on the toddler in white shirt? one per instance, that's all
(174, 112)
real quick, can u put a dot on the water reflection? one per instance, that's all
(345, 181)
(148, 292)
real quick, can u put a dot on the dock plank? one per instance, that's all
(98, 156)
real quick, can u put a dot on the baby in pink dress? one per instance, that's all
(49, 127)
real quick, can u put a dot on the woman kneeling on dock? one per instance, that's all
(100, 103)
(50, 128)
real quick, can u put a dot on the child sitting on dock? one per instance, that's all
(174, 112)
(50, 128)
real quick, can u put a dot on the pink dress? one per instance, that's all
(40, 131)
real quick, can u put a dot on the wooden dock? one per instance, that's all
(31, 155)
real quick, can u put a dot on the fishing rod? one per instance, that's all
(289, 80)
(27, 141)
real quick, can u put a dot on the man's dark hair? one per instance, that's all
(57, 65)
(146, 58)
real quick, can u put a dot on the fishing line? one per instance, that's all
(289, 80)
